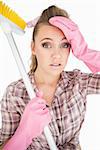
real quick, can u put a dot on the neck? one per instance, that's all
(47, 79)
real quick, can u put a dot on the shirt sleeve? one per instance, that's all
(90, 82)
(10, 116)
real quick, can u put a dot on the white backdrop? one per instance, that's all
(87, 15)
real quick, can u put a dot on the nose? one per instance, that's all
(56, 53)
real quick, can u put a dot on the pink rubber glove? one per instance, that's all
(35, 117)
(78, 45)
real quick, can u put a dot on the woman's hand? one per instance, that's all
(35, 117)
(78, 45)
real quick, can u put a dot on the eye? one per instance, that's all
(46, 45)
(65, 45)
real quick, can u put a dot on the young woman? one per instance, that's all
(60, 95)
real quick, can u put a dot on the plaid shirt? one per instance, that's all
(68, 109)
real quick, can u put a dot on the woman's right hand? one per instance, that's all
(35, 117)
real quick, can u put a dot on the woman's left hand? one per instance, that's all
(78, 45)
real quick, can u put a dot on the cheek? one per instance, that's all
(38, 52)
(41, 56)
(42, 53)
(66, 53)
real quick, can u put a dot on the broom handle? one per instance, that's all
(28, 85)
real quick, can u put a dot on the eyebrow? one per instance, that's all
(64, 38)
(46, 39)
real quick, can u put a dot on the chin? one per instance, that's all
(56, 72)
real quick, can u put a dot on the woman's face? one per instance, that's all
(51, 49)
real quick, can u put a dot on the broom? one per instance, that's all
(10, 22)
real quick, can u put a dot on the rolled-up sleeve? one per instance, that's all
(10, 117)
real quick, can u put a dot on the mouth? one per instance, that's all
(55, 66)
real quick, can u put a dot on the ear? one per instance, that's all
(33, 47)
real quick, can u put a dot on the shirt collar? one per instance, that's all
(62, 84)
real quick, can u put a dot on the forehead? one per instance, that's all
(49, 31)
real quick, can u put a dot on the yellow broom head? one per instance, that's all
(11, 15)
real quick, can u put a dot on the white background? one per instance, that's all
(87, 15)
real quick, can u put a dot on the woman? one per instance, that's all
(61, 95)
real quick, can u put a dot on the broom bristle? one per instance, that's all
(8, 13)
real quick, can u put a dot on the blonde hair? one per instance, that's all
(44, 19)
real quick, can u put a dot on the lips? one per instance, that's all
(55, 65)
